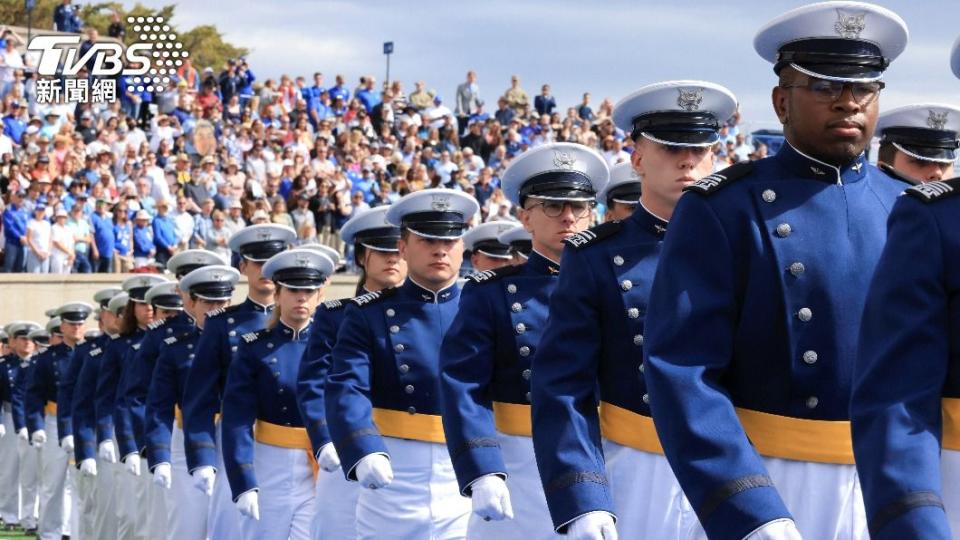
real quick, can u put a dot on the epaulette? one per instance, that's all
(170, 340)
(897, 175)
(712, 183)
(333, 305)
(935, 191)
(95, 351)
(250, 337)
(156, 324)
(373, 297)
(221, 311)
(594, 234)
(491, 275)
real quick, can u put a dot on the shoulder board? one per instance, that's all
(170, 340)
(492, 275)
(157, 324)
(897, 175)
(250, 337)
(712, 183)
(333, 305)
(594, 234)
(373, 297)
(214, 313)
(95, 351)
(935, 191)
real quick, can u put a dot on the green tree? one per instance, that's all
(205, 43)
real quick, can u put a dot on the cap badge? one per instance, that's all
(937, 121)
(263, 235)
(563, 160)
(303, 262)
(440, 203)
(690, 100)
(216, 276)
(850, 25)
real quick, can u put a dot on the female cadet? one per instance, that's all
(266, 450)
(622, 194)
(375, 251)
(204, 289)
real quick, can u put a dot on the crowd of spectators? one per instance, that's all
(123, 186)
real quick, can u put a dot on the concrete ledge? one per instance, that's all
(27, 296)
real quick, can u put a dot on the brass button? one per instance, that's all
(797, 268)
(521, 328)
(391, 312)
(516, 307)
(812, 402)
(511, 288)
(398, 347)
(633, 313)
(394, 329)
(524, 351)
(408, 388)
(404, 368)
(638, 340)
(784, 230)
(810, 357)
(769, 195)
(805, 314)
(618, 260)
(526, 374)
(626, 285)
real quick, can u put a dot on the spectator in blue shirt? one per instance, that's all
(584, 111)
(368, 95)
(15, 219)
(165, 237)
(246, 85)
(103, 237)
(144, 247)
(339, 91)
(367, 184)
(13, 123)
(66, 18)
(504, 113)
(544, 103)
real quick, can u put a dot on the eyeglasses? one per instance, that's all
(825, 91)
(554, 208)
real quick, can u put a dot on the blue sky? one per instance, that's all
(608, 48)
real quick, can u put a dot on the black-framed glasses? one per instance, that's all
(553, 208)
(825, 91)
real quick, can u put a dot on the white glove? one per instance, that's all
(491, 498)
(23, 435)
(132, 463)
(203, 479)
(3, 430)
(67, 444)
(328, 458)
(107, 452)
(374, 471)
(781, 529)
(593, 526)
(249, 504)
(39, 438)
(162, 475)
(88, 467)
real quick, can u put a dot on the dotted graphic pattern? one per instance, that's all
(168, 53)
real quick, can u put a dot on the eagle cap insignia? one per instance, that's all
(690, 100)
(216, 276)
(850, 25)
(563, 160)
(303, 262)
(937, 120)
(263, 235)
(440, 203)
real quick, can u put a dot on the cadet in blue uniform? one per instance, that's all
(133, 503)
(375, 252)
(751, 330)
(216, 349)
(205, 288)
(520, 241)
(18, 346)
(918, 143)
(96, 495)
(906, 399)
(485, 358)
(594, 337)
(383, 396)
(266, 450)
(84, 492)
(622, 194)
(483, 246)
(41, 415)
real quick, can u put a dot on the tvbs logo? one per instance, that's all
(153, 60)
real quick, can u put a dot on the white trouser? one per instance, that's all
(151, 512)
(285, 478)
(85, 495)
(950, 482)
(54, 500)
(72, 517)
(9, 471)
(824, 498)
(128, 497)
(105, 501)
(646, 495)
(422, 503)
(29, 484)
(531, 518)
(186, 505)
(335, 507)
(223, 521)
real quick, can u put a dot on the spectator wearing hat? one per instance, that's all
(14, 125)
(144, 245)
(217, 237)
(15, 219)
(61, 244)
(83, 247)
(38, 242)
(234, 219)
